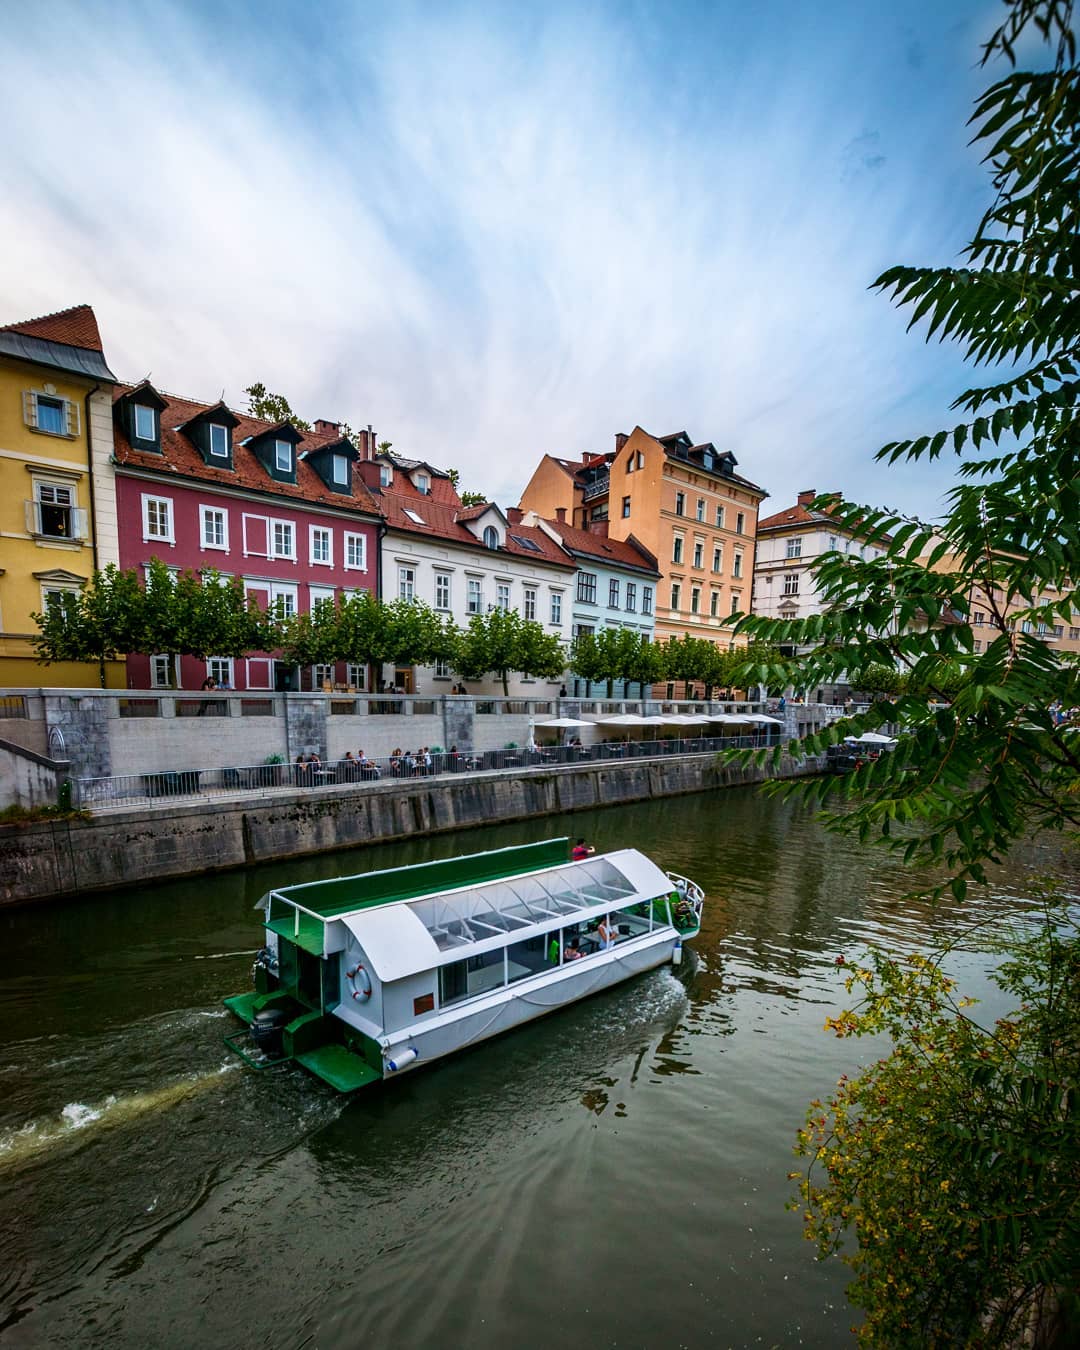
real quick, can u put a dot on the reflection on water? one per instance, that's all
(613, 1174)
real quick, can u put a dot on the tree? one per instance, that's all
(585, 660)
(99, 623)
(981, 765)
(639, 659)
(272, 407)
(501, 641)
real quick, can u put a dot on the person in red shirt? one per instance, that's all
(581, 850)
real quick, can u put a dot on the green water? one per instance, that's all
(614, 1175)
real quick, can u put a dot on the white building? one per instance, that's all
(465, 560)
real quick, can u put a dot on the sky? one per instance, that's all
(492, 231)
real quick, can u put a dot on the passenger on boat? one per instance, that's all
(606, 933)
(581, 850)
(571, 952)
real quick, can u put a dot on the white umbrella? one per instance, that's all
(873, 738)
(765, 721)
(730, 717)
(565, 722)
(686, 719)
(623, 720)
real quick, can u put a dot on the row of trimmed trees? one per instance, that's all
(188, 614)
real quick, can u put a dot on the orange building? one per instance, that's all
(683, 502)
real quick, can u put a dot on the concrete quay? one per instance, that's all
(131, 846)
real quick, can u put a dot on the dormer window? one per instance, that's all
(219, 441)
(340, 469)
(491, 537)
(422, 483)
(386, 475)
(145, 423)
(283, 456)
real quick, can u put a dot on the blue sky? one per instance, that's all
(495, 230)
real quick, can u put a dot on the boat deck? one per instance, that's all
(339, 1067)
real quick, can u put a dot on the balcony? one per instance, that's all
(597, 488)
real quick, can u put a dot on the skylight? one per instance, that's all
(529, 544)
(417, 520)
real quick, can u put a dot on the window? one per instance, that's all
(631, 597)
(321, 676)
(695, 600)
(215, 527)
(719, 517)
(283, 597)
(145, 423)
(157, 518)
(586, 588)
(701, 508)
(355, 553)
(1059, 630)
(491, 537)
(321, 544)
(832, 543)
(718, 558)
(54, 416)
(680, 503)
(977, 645)
(529, 603)
(406, 583)
(356, 675)
(978, 618)
(474, 595)
(320, 595)
(714, 603)
(613, 594)
(339, 469)
(53, 513)
(414, 516)
(219, 441)
(282, 456)
(625, 507)
(735, 604)
(646, 599)
(740, 523)
(791, 583)
(676, 594)
(161, 672)
(386, 475)
(677, 549)
(442, 668)
(442, 590)
(220, 670)
(284, 540)
(502, 595)
(556, 607)
(699, 553)
(1074, 634)
(736, 565)
(422, 483)
(794, 547)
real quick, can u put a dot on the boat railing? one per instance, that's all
(297, 909)
(689, 890)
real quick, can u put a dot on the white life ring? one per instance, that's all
(360, 981)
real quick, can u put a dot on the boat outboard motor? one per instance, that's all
(266, 960)
(267, 1030)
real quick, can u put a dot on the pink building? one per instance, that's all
(200, 486)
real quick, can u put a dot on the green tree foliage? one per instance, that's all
(272, 407)
(501, 641)
(955, 1158)
(99, 623)
(878, 680)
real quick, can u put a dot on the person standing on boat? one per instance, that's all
(606, 933)
(581, 850)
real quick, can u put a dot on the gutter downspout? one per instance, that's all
(90, 465)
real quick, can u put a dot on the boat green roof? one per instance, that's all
(344, 895)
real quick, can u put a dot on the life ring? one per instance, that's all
(360, 981)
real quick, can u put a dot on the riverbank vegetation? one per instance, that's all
(955, 1160)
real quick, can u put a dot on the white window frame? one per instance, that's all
(443, 591)
(528, 603)
(442, 669)
(678, 547)
(491, 537)
(163, 672)
(794, 547)
(646, 600)
(283, 449)
(386, 475)
(247, 525)
(355, 547)
(719, 517)
(555, 609)
(699, 554)
(736, 564)
(406, 574)
(320, 595)
(474, 595)
(152, 414)
(356, 676)
(205, 513)
(327, 534)
(288, 591)
(791, 583)
(631, 597)
(47, 493)
(339, 470)
(169, 536)
(220, 670)
(701, 510)
(211, 428)
(422, 483)
(503, 592)
(321, 676)
(613, 593)
(695, 599)
(275, 551)
(69, 413)
(676, 596)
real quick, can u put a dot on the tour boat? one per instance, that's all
(363, 978)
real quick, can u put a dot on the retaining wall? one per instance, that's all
(129, 847)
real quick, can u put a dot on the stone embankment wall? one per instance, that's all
(130, 847)
(27, 778)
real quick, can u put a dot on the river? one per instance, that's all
(614, 1175)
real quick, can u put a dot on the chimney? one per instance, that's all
(805, 498)
(368, 472)
(620, 440)
(514, 514)
(325, 428)
(560, 514)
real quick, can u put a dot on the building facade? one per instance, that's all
(683, 503)
(55, 398)
(462, 561)
(199, 486)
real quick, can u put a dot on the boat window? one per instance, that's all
(533, 955)
(631, 922)
(475, 975)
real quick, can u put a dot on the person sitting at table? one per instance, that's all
(395, 762)
(349, 767)
(368, 769)
(571, 952)
(581, 850)
(408, 763)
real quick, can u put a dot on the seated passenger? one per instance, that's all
(571, 953)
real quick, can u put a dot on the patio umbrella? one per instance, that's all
(873, 738)
(565, 722)
(765, 721)
(686, 719)
(730, 717)
(624, 720)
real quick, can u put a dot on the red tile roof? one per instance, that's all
(443, 520)
(798, 514)
(75, 327)
(179, 458)
(604, 549)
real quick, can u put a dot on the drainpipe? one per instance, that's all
(90, 458)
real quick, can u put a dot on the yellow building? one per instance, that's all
(55, 421)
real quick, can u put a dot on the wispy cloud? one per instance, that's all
(493, 233)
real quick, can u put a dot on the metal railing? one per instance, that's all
(258, 779)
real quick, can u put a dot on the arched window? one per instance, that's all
(491, 537)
